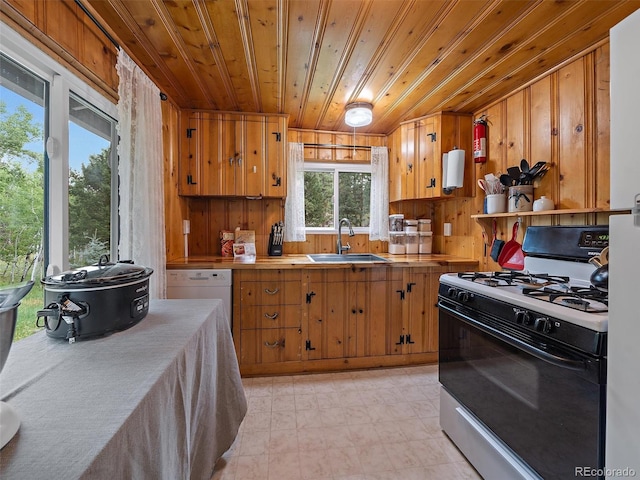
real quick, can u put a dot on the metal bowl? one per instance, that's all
(9, 419)
(8, 318)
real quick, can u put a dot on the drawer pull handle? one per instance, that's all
(271, 292)
(271, 317)
(275, 344)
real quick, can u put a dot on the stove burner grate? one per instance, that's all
(507, 278)
(586, 299)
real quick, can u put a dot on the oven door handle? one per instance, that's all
(562, 362)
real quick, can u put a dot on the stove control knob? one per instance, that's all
(523, 317)
(543, 324)
(452, 292)
(465, 297)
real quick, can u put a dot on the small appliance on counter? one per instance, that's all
(276, 238)
(95, 300)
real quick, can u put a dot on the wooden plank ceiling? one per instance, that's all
(309, 58)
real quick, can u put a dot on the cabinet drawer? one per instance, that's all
(271, 316)
(270, 345)
(270, 293)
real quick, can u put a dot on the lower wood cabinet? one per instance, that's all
(416, 330)
(267, 314)
(310, 320)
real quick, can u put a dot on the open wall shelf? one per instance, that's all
(486, 220)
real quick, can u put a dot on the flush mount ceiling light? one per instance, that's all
(358, 114)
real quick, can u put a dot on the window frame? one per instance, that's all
(61, 82)
(336, 169)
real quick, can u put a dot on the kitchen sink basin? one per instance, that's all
(345, 258)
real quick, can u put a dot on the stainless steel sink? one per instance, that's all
(345, 258)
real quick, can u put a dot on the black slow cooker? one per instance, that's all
(95, 300)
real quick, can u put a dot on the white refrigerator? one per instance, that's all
(623, 369)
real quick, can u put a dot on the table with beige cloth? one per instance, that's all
(161, 400)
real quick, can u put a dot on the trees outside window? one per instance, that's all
(59, 210)
(335, 191)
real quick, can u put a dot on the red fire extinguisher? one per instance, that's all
(480, 139)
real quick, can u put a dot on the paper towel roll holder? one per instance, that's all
(449, 189)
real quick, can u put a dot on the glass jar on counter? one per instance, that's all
(410, 225)
(396, 222)
(396, 243)
(426, 242)
(424, 225)
(411, 242)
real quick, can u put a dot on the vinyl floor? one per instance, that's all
(363, 425)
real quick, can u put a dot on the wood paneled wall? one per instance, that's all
(176, 208)
(66, 33)
(562, 118)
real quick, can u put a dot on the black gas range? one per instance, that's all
(523, 359)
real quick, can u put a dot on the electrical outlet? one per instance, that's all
(447, 229)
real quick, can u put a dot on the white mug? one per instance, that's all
(496, 203)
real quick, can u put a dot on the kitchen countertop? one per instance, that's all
(302, 261)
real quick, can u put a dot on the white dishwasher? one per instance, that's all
(209, 283)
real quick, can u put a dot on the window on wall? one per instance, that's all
(91, 171)
(23, 113)
(336, 191)
(58, 171)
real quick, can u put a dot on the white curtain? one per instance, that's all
(140, 170)
(379, 203)
(294, 204)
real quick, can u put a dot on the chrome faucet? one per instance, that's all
(340, 249)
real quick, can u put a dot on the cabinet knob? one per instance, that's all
(271, 292)
(271, 317)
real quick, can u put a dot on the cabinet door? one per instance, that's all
(396, 172)
(422, 313)
(369, 307)
(328, 330)
(407, 138)
(209, 154)
(275, 158)
(230, 156)
(428, 173)
(251, 167)
(189, 169)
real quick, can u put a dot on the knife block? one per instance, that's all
(274, 250)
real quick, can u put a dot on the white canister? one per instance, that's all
(543, 203)
(396, 222)
(426, 242)
(521, 198)
(396, 243)
(424, 225)
(496, 203)
(411, 226)
(411, 242)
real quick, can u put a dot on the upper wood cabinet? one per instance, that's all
(415, 159)
(228, 154)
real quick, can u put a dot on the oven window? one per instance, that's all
(548, 415)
